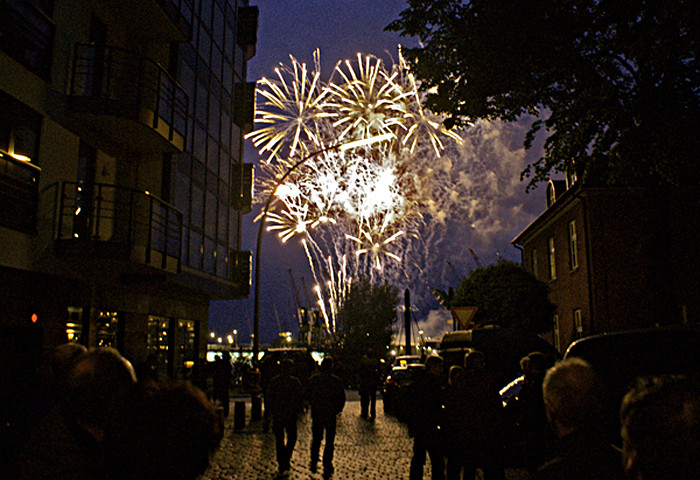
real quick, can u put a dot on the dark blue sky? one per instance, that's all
(340, 29)
(497, 208)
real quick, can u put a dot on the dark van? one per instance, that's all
(503, 347)
(619, 358)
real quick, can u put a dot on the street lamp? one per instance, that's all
(339, 147)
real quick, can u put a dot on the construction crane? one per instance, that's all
(476, 259)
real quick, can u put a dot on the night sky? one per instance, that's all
(496, 209)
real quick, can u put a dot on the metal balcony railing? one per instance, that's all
(126, 84)
(149, 228)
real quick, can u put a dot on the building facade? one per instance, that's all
(615, 258)
(122, 182)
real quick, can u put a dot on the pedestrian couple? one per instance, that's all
(285, 400)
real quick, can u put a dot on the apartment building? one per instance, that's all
(122, 182)
(615, 258)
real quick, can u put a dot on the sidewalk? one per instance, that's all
(363, 449)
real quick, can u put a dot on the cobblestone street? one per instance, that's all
(363, 449)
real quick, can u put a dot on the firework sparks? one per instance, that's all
(356, 209)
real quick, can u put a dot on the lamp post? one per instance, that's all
(339, 147)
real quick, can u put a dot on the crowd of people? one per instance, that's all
(105, 420)
(96, 420)
(457, 419)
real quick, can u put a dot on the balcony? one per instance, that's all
(19, 193)
(128, 98)
(156, 21)
(134, 232)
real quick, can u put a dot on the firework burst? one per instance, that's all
(355, 210)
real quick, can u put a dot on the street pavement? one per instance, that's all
(363, 449)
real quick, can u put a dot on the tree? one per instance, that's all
(507, 295)
(615, 85)
(366, 320)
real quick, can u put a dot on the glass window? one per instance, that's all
(223, 227)
(205, 13)
(555, 327)
(185, 245)
(27, 36)
(182, 197)
(224, 167)
(201, 110)
(534, 262)
(198, 173)
(186, 348)
(157, 343)
(210, 214)
(196, 214)
(573, 245)
(221, 261)
(552, 259)
(107, 328)
(209, 256)
(578, 324)
(20, 127)
(196, 250)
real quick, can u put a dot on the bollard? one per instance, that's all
(256, 408)
(238, 414)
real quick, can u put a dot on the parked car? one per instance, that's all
(512, 389)
(619, 358)
(402, 360)
(398, 379)
(503, 347)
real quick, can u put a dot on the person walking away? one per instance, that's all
(426, 422)
(368, 384)
(222, 382)
(269, 368)
(483, 419)
(326, 396)
(285, 403)
(573, 398)
(459, 456)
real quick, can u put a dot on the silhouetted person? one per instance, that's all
(68, 443)
(573, 398)
(326, 396)
(483, 419)
(460, 454)
(170, 432)
(368, 383)
(426, 419)
(222, 382)
(660, 419)
(285, 403)
(269, 368)
(530, 416)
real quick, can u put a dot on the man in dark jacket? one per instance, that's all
(572, 396)
(285, 403)
(426, 419)
(327, 398)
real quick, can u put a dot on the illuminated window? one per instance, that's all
(107, 325)
(552, 258)
(555, 327)
(573, 246)
(157, 343)
(74, 325)
(578, 325)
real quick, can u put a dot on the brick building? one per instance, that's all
(122, 182)
(615, 258)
